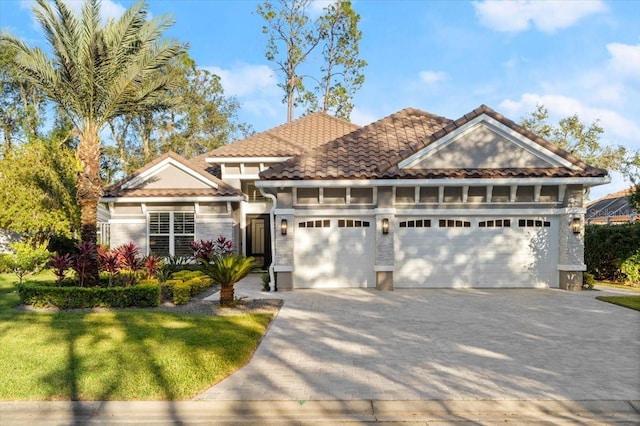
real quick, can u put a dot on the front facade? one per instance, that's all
(411, 201)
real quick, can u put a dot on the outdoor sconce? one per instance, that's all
(283, 226)
(385, 226)
(575, 225)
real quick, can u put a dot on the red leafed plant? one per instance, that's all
(83, 261)
(109, 261)
(130, 260)
(210, 250)
(60, 264)
(152, 264)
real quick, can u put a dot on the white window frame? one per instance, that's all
(172, 234)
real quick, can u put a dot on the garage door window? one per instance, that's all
(530, 223)
(450, 223)
(498, 223)
(349, 223)
(420, 223)
(315, 224)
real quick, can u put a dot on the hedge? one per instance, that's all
(181, 293)
(142, 296)
(607, 247)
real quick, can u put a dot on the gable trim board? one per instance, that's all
(498, 128)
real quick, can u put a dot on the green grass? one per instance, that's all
(120, 354)
(631, 302)
(619, 286)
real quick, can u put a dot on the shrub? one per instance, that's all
(83, 261)
(631, 269)
(167, 289)
(199, 284)
(265, 281)
(143, 296)
(608, 246)
(186, 274)
(588, 280)
(5, 263)
(181, 293)
(28, 259)
(60, 264)
(152, 265)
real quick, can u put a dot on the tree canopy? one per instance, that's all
(293, 36)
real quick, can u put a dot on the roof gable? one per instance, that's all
(484, 143)
(399, 146)
(170, 174)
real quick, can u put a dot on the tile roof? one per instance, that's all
(374, 152)
(117, 190)
(612, 208)
(287, 140)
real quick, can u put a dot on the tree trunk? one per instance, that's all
(89, 188)
(226, 295)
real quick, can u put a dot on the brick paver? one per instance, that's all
(356, 344)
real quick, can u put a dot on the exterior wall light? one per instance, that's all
(385, 226)
(283, 227)
(575, 225)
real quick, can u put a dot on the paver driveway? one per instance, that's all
(354, 344)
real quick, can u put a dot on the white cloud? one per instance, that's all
(547, 16)
(625, 60)
(110, 9)
(316, 8)
(246, 80)
(432, 77)
(562, 106)
(362, 117)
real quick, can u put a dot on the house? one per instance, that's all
(413, 200)
(612, 209)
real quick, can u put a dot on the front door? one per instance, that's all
(259, 239)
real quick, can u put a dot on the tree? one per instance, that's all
(227, 270)
(37, 190)
(97, 72)
(341, 72)
(201, 118)
(21, 103)
(292, 38)
(575, 137)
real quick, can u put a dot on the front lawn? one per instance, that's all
(124, 354)
(631, 302)
(618, 286)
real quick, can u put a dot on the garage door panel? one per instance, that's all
(476, 257)
(334, 256)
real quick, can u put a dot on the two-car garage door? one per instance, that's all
(476, 252)
(429, 252)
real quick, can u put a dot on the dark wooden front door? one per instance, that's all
(259, 239)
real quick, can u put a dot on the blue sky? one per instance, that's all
(445, 57)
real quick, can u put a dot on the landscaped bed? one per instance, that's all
(120, 354)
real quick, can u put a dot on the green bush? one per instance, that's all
(5, 263)
(167, 289)
(142, 296)
(588, 280)
(631, 269)
(28, 259)
(199, 284)
(607, 247)
(181, 293)
(185, 275)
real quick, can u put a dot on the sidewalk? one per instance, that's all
(320, 412)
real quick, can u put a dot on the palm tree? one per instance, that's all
(227, 270)
(97, 72)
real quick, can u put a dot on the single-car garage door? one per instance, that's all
(476, 252)
(333, 252)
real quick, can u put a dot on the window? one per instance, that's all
(352, 223)
(171, 233)
(497, 223)
(533, 223)
(254, 194)
(314, 224)
(450, 223)
(420, 223)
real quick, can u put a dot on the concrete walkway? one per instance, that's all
(354, 356)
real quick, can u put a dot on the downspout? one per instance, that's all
(272, 217)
